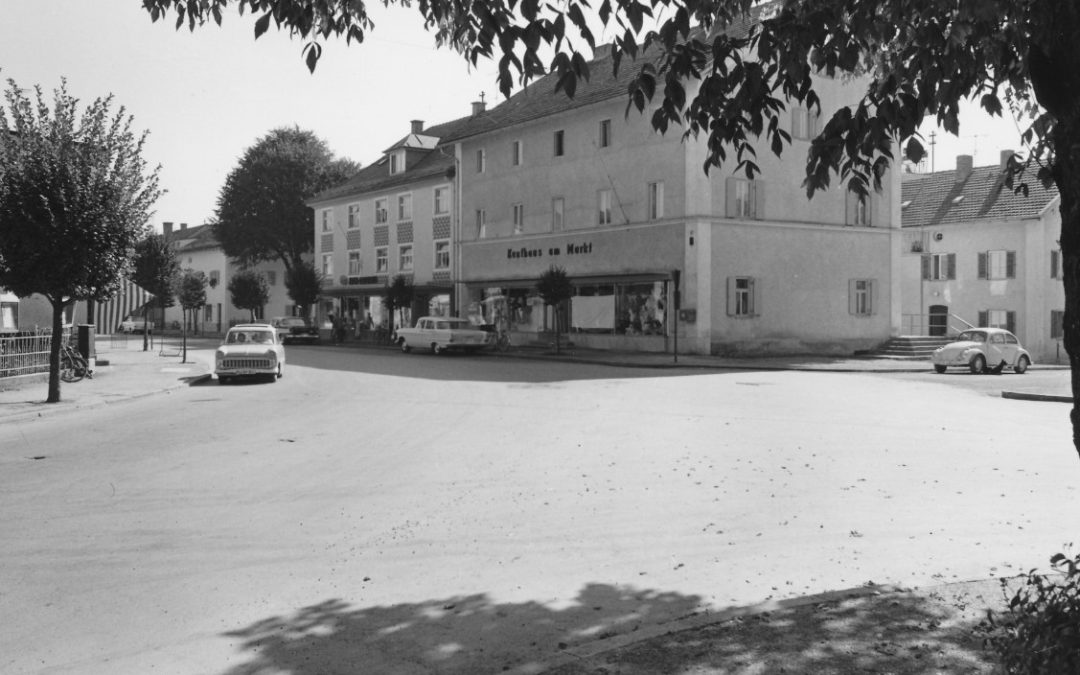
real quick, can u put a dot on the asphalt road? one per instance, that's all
(389, 513)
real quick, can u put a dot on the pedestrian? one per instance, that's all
(333, 327)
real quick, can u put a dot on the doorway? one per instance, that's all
(939, 320)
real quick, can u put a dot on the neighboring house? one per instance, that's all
(33, 313)
(199, 250)
(394, 217)
(628, 213)
(975, 252)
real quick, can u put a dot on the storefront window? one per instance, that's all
(439, 305)
(592, 310)
(640, 309)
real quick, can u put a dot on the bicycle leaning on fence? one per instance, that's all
(73, 367)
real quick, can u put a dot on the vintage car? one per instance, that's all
(441, 334)
(250, 350)
(135, 324)
(982, 350)
(295, 329)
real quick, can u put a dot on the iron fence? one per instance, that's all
(24, 354)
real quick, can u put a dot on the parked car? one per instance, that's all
(250, 350)
(295, 329)
(135, 325)
(982, 349)
(441, 334)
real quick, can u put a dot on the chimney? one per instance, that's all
(1006, 155)
(417, 126)
(963, 167)
(183, 226)
(166, 228)
(478, 107)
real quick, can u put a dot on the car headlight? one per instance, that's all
(219, 356)
(271, 354)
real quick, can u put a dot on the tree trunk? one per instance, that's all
(1067, 177)
(54, 351)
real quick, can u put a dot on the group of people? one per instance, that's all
(339, 327)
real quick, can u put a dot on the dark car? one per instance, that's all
(295, 329)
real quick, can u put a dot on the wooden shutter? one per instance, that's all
(729, 206)
(757, 194)
(873, 292)
(1010, 322)
(982, 264)
(984, 318)
(852, 291)
(755, 297)
(1010, 264)
(950, 263)
(1055, 263)
(731, 296)
(926, 266)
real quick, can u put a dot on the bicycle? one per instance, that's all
(73, 367)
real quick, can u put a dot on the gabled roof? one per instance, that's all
(193, 238)
(415, 142)
(938, 199)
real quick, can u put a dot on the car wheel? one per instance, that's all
(404, 346)
(280, 372)
(436, 348)
(1022, 364)
(978, 364)
(938, 368)
(223, 380)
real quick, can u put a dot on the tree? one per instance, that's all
(304, 285)
(262, 213)
(920, 59)
(398, 295)
(157, 271)
(192, 294)
(75, 197)
(554, 289)
(248, 290)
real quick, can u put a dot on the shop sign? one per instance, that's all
(551, 251)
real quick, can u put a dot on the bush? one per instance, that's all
(1039, 632)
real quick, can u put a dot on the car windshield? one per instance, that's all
(241, 337)
(458, 324)
(972, 336)
(292, 322)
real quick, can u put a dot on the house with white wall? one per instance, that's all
(975, 252)
(629, 213)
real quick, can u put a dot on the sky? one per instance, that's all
(206, 96)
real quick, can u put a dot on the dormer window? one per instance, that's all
(397, 163)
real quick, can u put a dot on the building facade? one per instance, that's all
(976, 253)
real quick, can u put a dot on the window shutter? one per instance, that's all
(873, 296)
(1055, 262)
(851, 296)
(757, 193)
(950, 264)
(982, 265)
(1010, 322)
(1010, 264)
(731, 296)
(925, 267)
(984, 318)
(815, 123)
(755, 298)
(729, 207)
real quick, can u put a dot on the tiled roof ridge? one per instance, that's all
(938, 198)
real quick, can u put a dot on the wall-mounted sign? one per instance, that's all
(551, 251)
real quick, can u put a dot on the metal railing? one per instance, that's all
(24, 354)
(919, 324)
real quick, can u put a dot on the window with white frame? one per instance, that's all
(326, 220)
(604, 139)
(328, 264)
(740, 297)
(404, 207)
(519, 218)
(559, 137)
(998, 318)
(354, 216)
(861, 297)
(604, 207)
(381, 211)
(997, 265)
(939, 266)
(745, 198)
(481, 161)
(405, 252)
(558, 213)
(656, 200)
(397, 162)
(858, 210)
(481, 224)
(355, 266)
(382, 260)
(804, 123)
(442, 200)
(442, 255)
(515, 153)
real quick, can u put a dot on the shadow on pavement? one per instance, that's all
(894, 633)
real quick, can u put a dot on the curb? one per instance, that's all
(1026, 396)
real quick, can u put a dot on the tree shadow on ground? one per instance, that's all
(860, 633)
(897, 633)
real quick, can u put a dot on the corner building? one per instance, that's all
(626, 212)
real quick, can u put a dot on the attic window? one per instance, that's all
(957, 200)
(904, 204)
(397, 163)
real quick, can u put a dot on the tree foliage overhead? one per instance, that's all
(304, 284)
(727, 70)
(248, 290)
(192, 289)
(262, 213)
(157, 268)
(75, 196)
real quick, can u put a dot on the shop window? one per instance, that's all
(640, 308)
(861, 297)
(405, 258)
(741, 300)
(997, 265)
(442, 255)
(382, 261)
(939, 266)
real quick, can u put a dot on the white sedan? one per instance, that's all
(982, 349)
(442, 334)
(250, 350)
